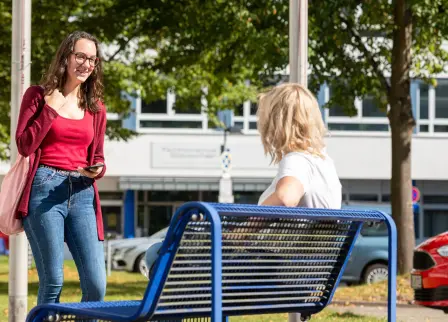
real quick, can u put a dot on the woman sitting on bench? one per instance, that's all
(292, 132)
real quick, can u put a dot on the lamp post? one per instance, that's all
(298, 41)
(20, 81)
(225, 183)
(298, 59)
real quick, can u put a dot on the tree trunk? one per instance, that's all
(402, 124)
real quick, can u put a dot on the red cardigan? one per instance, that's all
(35, 121)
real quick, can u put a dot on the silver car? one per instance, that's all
(131, 255)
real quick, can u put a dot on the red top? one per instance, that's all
(35, 121)
(66, 143)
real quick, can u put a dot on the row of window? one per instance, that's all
(430, 108)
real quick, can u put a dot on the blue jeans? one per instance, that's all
(62, 208)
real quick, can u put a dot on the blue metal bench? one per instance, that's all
(221, 260)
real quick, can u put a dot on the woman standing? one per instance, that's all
(61, 128)
(292, 132)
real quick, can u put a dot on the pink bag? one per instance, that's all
(11, 191)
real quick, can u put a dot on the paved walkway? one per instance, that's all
(404, 314)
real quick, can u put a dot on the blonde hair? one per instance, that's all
(289, 120)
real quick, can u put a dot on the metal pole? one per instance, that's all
(225, 183)
(298, 41)
(298, 59)
(109, 257)
(20, 81)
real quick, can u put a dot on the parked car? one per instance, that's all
(129, 254)
(368, 261)
(429, 277)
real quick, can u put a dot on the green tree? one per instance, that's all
(372, 47)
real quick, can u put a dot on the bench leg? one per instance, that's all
(392, 272)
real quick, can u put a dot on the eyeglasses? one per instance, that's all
(81, 59)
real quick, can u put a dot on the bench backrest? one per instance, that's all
(270, 259)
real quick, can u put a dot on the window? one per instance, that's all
(111, 195)
(182, 196)
(253, 108)
(336, 110)
(141, 218)
(424, 102)
(159, 217)
(152, 218)
(441, 128)
(363, 197)
(246, 197)
(188, 110)
(158, 107)
(188, 105)
(442, 99)
(239, 110)
(435, 222)
(238, 125)
(434, 199)
(424, 128)
(210, 196)
(358, 127)
(171, 124)
(370, 108)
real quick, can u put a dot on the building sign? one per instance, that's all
(175, 155)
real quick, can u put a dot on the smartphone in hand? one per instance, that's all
(93, 168)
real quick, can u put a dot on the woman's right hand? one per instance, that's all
(56, 100)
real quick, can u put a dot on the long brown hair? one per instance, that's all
(91, 91)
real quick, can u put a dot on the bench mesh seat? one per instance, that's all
(267, 265)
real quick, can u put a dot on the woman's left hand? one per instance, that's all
(91, 174)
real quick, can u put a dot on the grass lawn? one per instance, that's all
(128, 286)
(376, 292)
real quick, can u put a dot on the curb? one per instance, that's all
(371, 304)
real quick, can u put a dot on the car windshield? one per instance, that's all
(375, 230)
